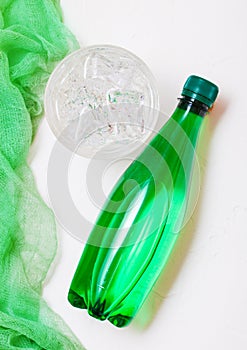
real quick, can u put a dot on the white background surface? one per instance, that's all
(201, 302)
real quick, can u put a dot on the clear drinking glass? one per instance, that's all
(102, 100)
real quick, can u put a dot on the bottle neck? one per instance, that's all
(194, 106)
(186, 120)
(188, 116)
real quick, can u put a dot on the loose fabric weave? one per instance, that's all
(32, 40)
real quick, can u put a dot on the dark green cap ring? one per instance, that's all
(200, 89)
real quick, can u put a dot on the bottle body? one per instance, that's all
(139, 224)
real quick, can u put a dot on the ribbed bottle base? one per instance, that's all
(98, 310)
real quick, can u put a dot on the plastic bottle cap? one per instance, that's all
(200, 89)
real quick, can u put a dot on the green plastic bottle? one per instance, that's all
(139, 223)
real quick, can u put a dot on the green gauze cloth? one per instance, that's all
(32, 40)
